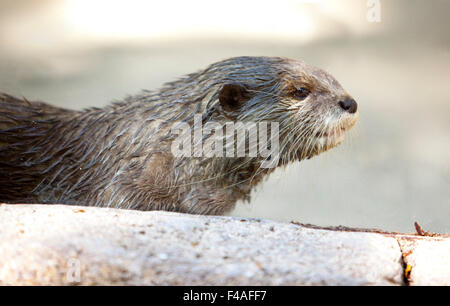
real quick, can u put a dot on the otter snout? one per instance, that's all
(349, 105)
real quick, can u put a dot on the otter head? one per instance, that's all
(311, 107)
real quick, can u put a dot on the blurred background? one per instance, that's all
(394, 167)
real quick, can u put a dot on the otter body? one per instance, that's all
(120, 156)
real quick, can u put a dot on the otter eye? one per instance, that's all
(302, 93)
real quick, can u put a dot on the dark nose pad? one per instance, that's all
(349, 105)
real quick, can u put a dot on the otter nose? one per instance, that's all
(349, 105)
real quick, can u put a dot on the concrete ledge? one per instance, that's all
(63, 245)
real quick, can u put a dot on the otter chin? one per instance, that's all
(122, 155)
(335, 135)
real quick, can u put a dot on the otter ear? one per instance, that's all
(233, 96)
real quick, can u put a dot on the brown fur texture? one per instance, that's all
(120, 156)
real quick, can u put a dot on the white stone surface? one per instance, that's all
(55, 244)
(429, 260)
(58, 244)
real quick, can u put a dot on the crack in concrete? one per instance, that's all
(406, 267)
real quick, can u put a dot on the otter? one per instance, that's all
(120, 156)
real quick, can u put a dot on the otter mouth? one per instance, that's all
(330, 138)
(325, 139)
(332, 133)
